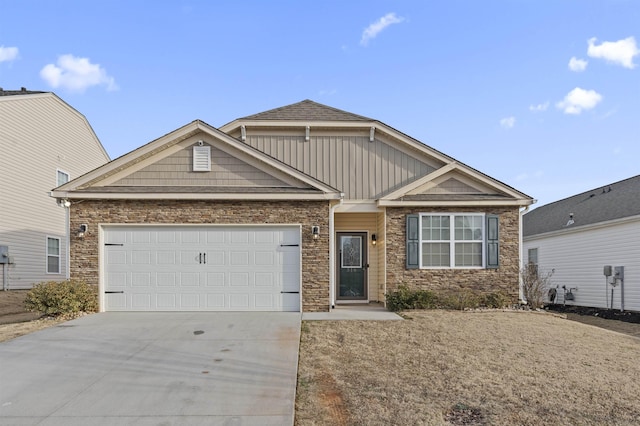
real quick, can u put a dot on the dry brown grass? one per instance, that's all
(442, 367)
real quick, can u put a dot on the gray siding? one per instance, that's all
(177, 170)
(38, 135)
(361, 169)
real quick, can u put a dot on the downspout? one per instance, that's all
(521, 253)
(67, 210)
(332, 253)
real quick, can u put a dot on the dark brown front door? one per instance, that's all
(352, 265)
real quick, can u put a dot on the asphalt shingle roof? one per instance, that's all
(615, 201)
(307, 110)
(22, 91)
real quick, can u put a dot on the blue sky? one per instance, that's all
(542, 95)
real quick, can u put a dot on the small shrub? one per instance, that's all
(461, 300)
(405, 298)
(535, 285)
(59, 298)
(495, 300)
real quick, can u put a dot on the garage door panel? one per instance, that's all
(166, 257)
(166, 279)
(186, 268)
(189, 279)
(215, 279)
(238, 279)
(239, 258)
(239, 301)
(141, 279)
(189, 301)
(116, 301)
(190, 257)
(215, 258)
(265, 279)
(141, 301)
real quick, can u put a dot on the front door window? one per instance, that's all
(352, 267)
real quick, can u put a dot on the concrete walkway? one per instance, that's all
(153, 368)
(362, 312)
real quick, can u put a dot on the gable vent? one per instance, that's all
(201, 158)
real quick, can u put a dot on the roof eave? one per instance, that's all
(454, 203)
(190, 196)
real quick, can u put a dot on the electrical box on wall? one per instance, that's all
(618, 272)
(4, 254)
(607, 271)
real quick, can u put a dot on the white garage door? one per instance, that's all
(214, 268)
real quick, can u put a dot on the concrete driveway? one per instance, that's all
(153, 369)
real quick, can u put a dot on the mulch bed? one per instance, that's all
(609, 314)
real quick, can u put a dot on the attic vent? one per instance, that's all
(201, 158)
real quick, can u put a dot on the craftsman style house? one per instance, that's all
(297, 208)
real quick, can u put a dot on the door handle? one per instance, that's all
(199, 257)
(205, 257)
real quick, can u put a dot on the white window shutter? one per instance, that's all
(201, 158)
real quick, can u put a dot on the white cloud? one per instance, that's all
(76, 74)
(539, 107)
(578, 100)
(8, 54)
(619, 52)
(577, 65)
(508, 122)
(374, 29)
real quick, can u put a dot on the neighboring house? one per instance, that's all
(576, 238)
(297, 208)
(44, 143)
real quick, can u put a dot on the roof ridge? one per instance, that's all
(307, 110)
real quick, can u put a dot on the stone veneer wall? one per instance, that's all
(315, 253)
(505, 278)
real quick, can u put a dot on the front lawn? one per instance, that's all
(467, 368)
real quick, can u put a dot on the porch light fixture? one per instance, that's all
(374, 239)
(82, 230)
(315, 231)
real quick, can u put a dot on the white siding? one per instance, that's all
(39, 134)
(578, 259)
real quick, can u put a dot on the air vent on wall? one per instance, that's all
(201, 158)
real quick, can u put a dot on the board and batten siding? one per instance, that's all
(366, 222)
(177, 170)
(361, 169)
(578, 258)
(39, 134)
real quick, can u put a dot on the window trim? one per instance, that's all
(452, 241)
(48, 255)
(58, 171)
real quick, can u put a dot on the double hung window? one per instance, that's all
(452, 240)
(53, 255)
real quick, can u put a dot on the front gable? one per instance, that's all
(451, 185)
(166, 169)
